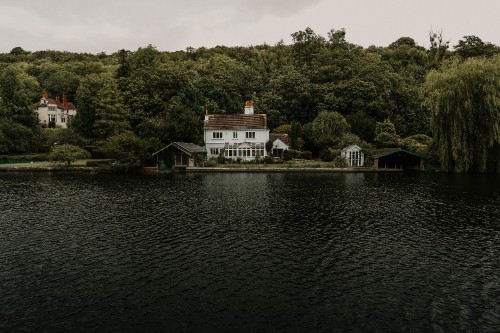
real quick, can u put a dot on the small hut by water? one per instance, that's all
(179, 155)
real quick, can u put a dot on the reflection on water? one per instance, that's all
(226, 252)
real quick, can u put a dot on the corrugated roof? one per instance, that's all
(236, 121)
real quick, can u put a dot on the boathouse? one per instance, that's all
(399, 159)
(179, 155)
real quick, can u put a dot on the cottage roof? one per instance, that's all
(398, 151)
(236, 121)
(282, 136)
(188, 148)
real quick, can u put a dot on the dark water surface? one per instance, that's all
(250, 252)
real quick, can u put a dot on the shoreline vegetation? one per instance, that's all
(323, 92)
(88, 166)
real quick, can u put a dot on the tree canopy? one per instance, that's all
(465, 103)
(157, 97)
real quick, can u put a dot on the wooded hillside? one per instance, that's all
(323, 91)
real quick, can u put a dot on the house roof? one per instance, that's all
(236, 121)
(57, 102)
(398, 151)
(282, 136)
(188, 148)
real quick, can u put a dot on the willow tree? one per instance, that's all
(465, 103)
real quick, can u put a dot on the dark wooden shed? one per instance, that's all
(179, 155)
(399, 159)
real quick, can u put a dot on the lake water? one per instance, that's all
(250, 252)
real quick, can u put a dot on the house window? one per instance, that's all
(214, 151)
(52, 117)
(250, 135)
(217, 135)
(63, 120)
(52, 108)
(235, 135)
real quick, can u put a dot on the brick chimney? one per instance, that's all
(65, 100)
(248, 107)
(45, 94)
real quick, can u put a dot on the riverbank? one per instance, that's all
(81, 166)
(78, 166)
(286, 169)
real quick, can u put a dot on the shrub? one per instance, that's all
(210, 163)
(268, 160)
(326, 155)
(67, 154)
(290, 154)
(305, 155)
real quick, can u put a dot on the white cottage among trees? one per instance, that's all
(353, 155)
(242, 136)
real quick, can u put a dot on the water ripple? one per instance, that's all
(250, 252)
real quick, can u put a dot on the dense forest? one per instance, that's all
(323, 91)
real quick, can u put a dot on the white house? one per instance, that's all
(236, 136)
(280, 143)
(53, 111)
(353, 155)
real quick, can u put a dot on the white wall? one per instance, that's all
(261, 136)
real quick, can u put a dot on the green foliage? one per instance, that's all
(419, 143)
(385, 134)
(268, 160)
(269, 147)
(101, 112)
(473, 46)
(464, 99)
(328, 128)
(285, 129)
(326, 155)
(177, 123)
(290, 154)
(305, 155)
(161, 96)
(67, 154)
(128, 149)
(62, 136)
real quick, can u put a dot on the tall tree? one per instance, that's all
(473, 46)
(328, 128)
(465, 103)
(20, 130)
(101, 112)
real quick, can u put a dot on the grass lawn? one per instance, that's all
(45, 164)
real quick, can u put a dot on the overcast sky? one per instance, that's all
(170, 25)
